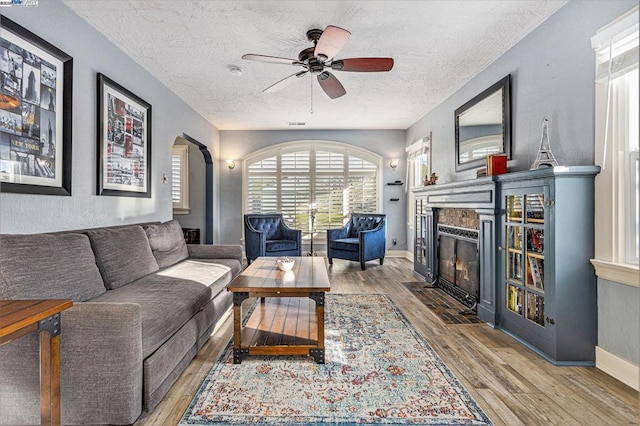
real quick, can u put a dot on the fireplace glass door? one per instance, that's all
(458, 269)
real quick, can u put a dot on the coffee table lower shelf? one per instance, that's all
(280, 326)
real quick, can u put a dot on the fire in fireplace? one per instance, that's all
(458, 263)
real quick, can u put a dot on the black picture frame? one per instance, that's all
(124, 141)
(35, 158)
(478, 105)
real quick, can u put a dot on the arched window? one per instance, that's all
(293, 178)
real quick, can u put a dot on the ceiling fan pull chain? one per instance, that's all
(311, 80)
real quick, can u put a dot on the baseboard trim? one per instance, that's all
(399, 253)
(618, 368)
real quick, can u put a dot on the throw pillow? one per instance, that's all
(48, 266)
(123, 254)
(167, 243)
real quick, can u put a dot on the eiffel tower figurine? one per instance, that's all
(545, 157)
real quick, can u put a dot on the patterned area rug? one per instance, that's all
(445, 306)
(378, 370)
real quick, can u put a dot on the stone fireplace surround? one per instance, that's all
(467, 204)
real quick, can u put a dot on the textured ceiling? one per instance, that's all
(190, 45)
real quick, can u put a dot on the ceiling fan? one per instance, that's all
(314, 60)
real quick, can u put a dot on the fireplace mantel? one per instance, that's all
(479, 195)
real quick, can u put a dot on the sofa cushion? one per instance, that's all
(348, 244)
(48, 266)
(171, 297)
(281, 245)
(167, 243)
(123, 254)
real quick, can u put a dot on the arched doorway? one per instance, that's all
(200, 214)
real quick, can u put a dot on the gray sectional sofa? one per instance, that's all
(144, 304)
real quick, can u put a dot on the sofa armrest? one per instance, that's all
(100, 360)
(215, 251)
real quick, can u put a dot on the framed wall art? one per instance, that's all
(36, 80)
(124, 141)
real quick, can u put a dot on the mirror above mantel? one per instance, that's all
(483, 126)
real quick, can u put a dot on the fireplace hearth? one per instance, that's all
(458, 264)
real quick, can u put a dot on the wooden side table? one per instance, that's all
(19, 317)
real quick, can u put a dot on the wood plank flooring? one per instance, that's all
(510, 382)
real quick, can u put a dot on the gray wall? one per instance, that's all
(552, 71)
(238, 144)
(619, 319)
(93, 53)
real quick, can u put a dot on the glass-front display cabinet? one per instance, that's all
(547, 286)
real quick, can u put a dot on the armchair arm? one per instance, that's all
(290, 233)
(100, 360)
(255, 244)
(215, 251)
(373, 243)
(337, 233)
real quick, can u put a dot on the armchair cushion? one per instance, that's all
(348, 244)
(281, 245)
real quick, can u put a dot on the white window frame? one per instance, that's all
(182, 206)
(418, 156)
(615, 185)
(313, 146)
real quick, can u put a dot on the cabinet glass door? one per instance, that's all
(524, 232)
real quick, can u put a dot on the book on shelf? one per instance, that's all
(496, 164)
(535, 266)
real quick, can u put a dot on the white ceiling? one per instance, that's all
(189, 46)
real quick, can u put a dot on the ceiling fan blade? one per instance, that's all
(271, 59)
(363, 64)
(331, 85)
(331, 42)
(284, 82)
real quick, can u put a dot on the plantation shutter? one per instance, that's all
(295, 191)
(362, 186)
(262, 188)
(180, 179)
(176, 195)
(329, 189)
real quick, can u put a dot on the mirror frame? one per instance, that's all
(503, 84)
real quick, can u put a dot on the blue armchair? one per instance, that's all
(269, 235)
(361, 239)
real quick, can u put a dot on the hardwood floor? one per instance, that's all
(510, 382)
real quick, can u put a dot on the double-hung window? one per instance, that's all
(330, 180)
(617, 186)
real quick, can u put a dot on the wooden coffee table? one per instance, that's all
(284, 322)
(19, 317)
